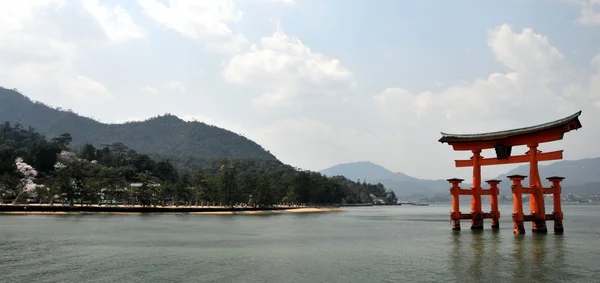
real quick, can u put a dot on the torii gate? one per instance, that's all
(503, 142)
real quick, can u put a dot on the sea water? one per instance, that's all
(362, 244)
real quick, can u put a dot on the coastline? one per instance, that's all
(36, 209)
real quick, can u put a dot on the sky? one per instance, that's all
(319, 82)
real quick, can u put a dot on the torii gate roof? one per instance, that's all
(563, 125)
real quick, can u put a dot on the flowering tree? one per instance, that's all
(29, 173)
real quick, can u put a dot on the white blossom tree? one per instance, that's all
(27, 184)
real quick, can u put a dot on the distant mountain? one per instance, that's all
(400, 183)
(580, 175)
(590, 187)
(364, 170)
(187, 143)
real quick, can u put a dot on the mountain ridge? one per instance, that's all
(165, 135)
(401, 183)
(581, 176)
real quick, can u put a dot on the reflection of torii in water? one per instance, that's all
(502, 142)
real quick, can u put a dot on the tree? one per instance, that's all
(391, 198)
(9, 173)
(28, 174)
(290, 196)
(88, 152)
(72, 176)
(165, 171)
(205, 187)
(182, 190)
(145, 192)
(227, 182)
(265, 193)
(113, 184)
(302, 187)
(248, 188)
(63, 182)
(63, 141)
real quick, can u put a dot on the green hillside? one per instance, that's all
(186, 143)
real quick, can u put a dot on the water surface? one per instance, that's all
(363, 244)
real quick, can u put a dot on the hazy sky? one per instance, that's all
(318, 82)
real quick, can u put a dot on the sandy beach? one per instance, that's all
(42, 209)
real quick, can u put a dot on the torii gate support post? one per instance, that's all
(476, 211)
(557, 214)
(537, 205)
(494, 192)
(519, 228)
(455, 212)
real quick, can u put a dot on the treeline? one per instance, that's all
(33, 169)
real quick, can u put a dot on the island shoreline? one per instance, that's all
(96, 209)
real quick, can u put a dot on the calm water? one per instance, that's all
(371, 244)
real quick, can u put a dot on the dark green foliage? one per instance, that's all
(115, 173)
(9, 175)
(145, 193)
(29, 145)
(63, 141)
(88, 152)
(43, 156)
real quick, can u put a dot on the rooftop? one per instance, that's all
(569, 123)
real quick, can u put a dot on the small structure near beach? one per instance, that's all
(503, 142)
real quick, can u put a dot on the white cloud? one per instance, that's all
(289, 2)
(308, 143)
(84, 89)
(527, 53)
(168, 86)
(283, 68)
(405, 126)
(591, 89)
(15, 15)
(115, 21)
(535, 92)
(41, 42)
(594, 87)
(20, 36)
(590, 12)
(177, 85)
(31, 51)
(535, 65)
(149, 89)
(206, 22)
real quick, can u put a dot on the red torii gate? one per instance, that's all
(503, 142)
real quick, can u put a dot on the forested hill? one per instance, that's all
(33, 168)
(186, 143)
